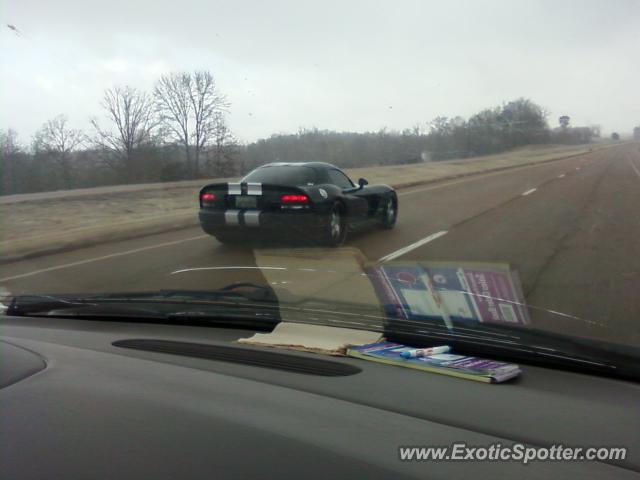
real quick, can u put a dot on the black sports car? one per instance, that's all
(295, 201)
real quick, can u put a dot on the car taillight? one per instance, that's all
(294, 198)
(207, 198)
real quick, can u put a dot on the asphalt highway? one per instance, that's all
(569, 228)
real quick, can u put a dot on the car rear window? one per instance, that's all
(283, 175)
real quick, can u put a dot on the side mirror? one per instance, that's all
(362, 182)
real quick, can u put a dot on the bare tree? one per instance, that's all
(9, 144)
(191, 107)
(224, 150)
(10, 151)
(131, 113)
(59, 142)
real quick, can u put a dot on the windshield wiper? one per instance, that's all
(245, 291)
(233, 293)
(238, 304)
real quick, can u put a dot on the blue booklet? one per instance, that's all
(461, 366)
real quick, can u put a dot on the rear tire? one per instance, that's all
(336, 229)
(389, 213)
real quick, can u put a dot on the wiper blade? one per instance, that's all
(245, 291)
(243, 294)
(233, 315)
(26, 304)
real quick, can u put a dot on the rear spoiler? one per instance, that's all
(244, 188)
(249, 188)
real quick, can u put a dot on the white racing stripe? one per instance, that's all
(254, 189)
(232, 217)
(529, 192)
(413, 246)
(252, 218)
(234, 189)
(103, 257)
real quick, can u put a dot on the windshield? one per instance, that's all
(283, 175)
(494, 149)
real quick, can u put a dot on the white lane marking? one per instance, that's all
(413, 246)
(529, 192)
(561, 176)
(635, 169)
(202, 269)
(473, 178)
(103, 257)
(577, 168)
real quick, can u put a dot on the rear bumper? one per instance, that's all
(255, 222)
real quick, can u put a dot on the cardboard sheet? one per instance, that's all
(313, 338)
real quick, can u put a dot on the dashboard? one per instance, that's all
(96, 399)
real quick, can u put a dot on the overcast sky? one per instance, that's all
(343, 65)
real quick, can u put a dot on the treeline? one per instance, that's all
(178, 131)
(514, 124)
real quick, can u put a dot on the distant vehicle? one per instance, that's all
(297, 201)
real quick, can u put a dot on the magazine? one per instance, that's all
(461, 366)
